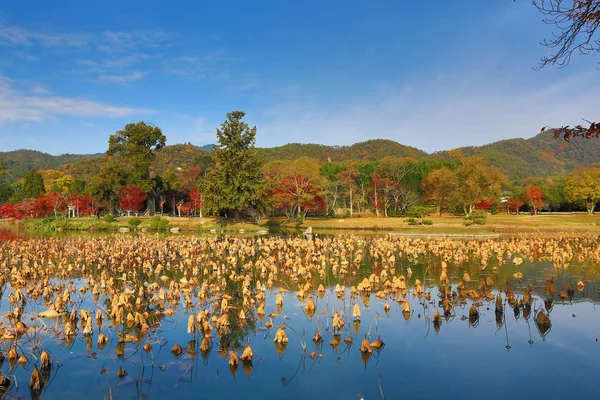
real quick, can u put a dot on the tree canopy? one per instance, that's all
(234, 185)
(137, 143)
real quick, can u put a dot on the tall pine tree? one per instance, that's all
(234, 186)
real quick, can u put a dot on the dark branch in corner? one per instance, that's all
(567, 133)
(576, 21)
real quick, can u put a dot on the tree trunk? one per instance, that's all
(351, 209)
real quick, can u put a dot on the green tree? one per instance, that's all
(2, 170)
(77, 186)
(583, 187)
(137, 144)
(234, 185)
(6, 192)
(105, 185)
(33, 185)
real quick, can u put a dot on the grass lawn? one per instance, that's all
(449, 224)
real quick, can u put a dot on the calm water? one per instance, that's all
(507, 355)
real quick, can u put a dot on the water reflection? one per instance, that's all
(153, 317)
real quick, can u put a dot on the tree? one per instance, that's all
(333, 187)
(476, 181)
(297, 195)
(583, 187)
(535, 197)
(348, 179)
(438, 185)
(2, 170)
(132, 199)
(576, 22)
(106, 185)
(56, 202)
(33, 185)
(6, 192)
(197, 201)
(137, 143)
(234, 185)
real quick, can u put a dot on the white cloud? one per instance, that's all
(16, 106)
(134, 76)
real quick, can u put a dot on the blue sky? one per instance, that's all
(433, 75)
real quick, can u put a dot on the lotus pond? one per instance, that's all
(336, 317)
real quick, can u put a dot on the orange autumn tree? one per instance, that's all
(535, 197)
(438, 186)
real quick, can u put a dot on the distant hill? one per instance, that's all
(539, 156)
(18, 162)
(370, 150)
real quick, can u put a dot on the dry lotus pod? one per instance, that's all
(191, 326)
(206, 344)
(12, 354)
(102, 340)
(147, 347)
(22, 360)
(35, 383)
(45, 360)
(280, 336)
(365, 346)
(177, 350)
(473, 312)
(233, 359)
(247, 354)
(310, 305)
(356, 312)
(378, 344)
(121, 373)
(21, 328)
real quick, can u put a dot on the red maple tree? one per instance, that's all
(132, 199)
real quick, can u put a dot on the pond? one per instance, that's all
(335, 317)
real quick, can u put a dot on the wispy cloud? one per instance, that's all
(113, 42)
(16, 106)
(16, 36)
(132, 77)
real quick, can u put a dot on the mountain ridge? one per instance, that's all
(519, 158)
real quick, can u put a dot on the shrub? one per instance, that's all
(109, 218)
(475, 218)
(411, 221)
(427, 222)
(134, 222)
(158, 223)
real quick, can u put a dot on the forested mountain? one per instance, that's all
(538, 156)
(370, 150)
(18, 162)
(541, 155)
